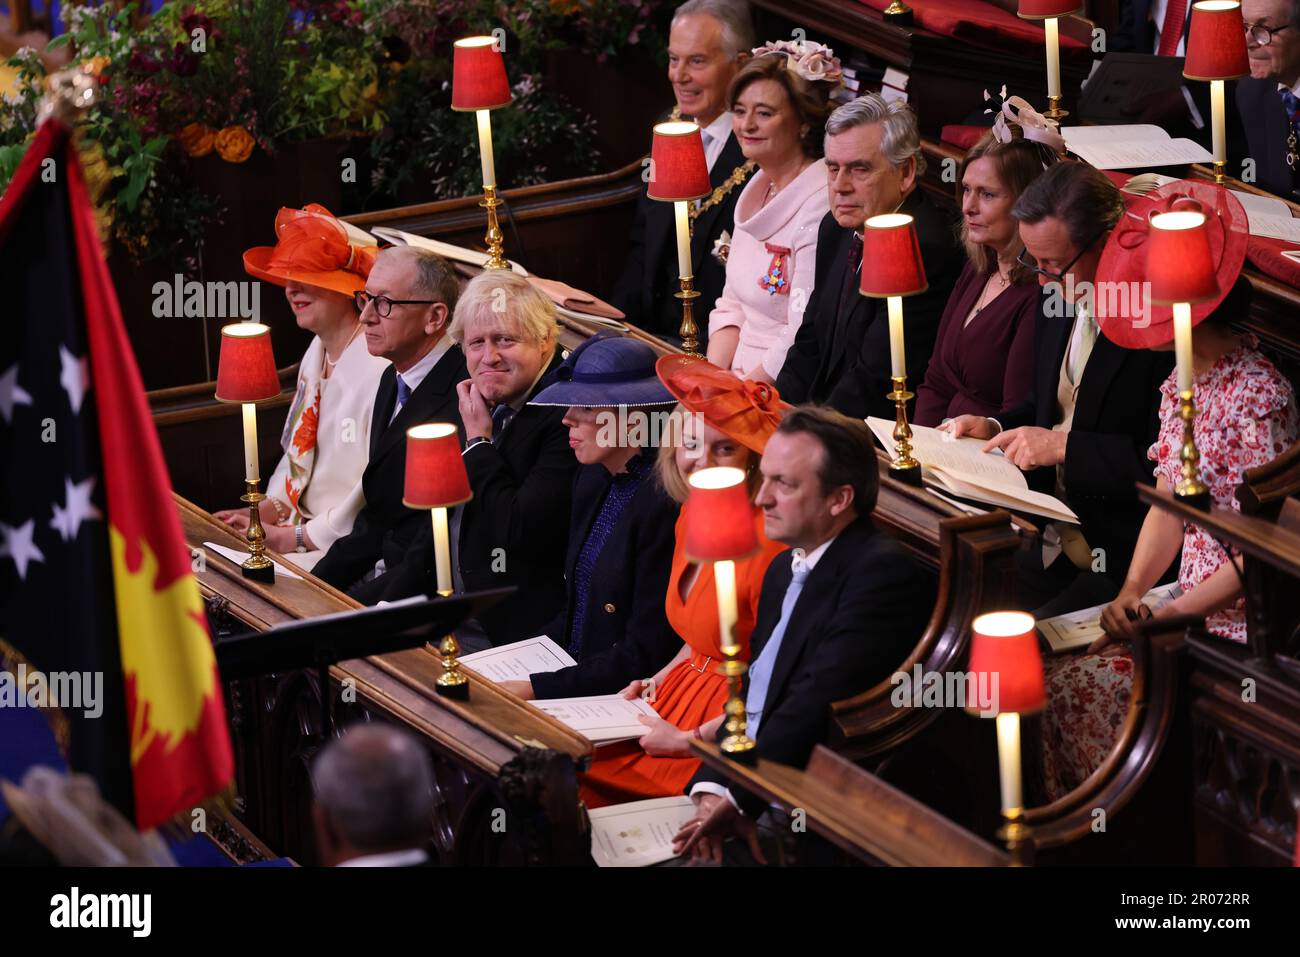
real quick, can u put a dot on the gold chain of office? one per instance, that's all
(720, 192)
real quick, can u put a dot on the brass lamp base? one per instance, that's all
(1190, 488)
(1220, 176)
(689, 331)
(1054, 111)
(737, 745)
(452, 683)
(898, 13)
(256, 566)
(1019, 839)
(904, 467)
(494, 238)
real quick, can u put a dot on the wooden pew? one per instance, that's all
(492, 753)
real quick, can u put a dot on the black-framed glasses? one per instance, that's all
(383, 305)
(1030, 263)
(1261, 34)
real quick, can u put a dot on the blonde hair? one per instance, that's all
(671, 477)
(508, 297)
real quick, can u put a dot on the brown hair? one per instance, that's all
(848, 451)
(1080, 196)
(809, 100)
(671, 477)
(1017, 164)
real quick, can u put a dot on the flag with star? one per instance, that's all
(95, 577)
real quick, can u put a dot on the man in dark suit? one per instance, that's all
(1082, 433)
(374, 799)
(1268, 101)
(840, 355)
(707, 43)
(838, 613)
(410, 294)
(515, 530)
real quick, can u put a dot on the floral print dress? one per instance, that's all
(1246, 416)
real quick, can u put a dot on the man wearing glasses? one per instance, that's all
(1083, 432)
(405, 307)
(1268, 101)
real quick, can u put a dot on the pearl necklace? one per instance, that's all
(331, 363)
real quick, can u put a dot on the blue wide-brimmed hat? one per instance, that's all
(607, 370)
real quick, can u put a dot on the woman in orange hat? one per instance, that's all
(721, 420)
(315, 492)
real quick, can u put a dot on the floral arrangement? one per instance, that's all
(812, 61)
(230, 78)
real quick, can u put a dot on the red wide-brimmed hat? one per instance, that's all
(312, 247)
(1122, 312)
(746, 411)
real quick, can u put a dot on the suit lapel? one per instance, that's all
(440, 380)
(1099, 372)
(385, 399)
(1054, 341)
(769, 610)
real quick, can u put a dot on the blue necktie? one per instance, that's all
(760, 672)
(403, 393)
(501, 417)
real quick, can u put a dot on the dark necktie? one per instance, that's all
(403, 392)
(501, 417)
(1292, 105)
(848, 290)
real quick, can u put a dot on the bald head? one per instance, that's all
(374, 793)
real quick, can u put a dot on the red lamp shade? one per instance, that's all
(435, 471)
(678, 170)
(719, 517)
(891, 257)
(1005, 644)
(1216, 42)
(478, 75)
(1046, 9)
(1179, 265)
(246, 367)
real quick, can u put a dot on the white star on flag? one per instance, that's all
(75, 377)
(11, 393)
(19, 546)
(68, 520)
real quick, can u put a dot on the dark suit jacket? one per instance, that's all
(625, 632)
(843, 360)
(1261, 113)
(515, 530)
(1116, 418)
(385, 528)
(860, 614)
(645, 290)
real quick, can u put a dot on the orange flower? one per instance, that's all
(304, 437)
(234, 144)
(197, 139)
(95, 65)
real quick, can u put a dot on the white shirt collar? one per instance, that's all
(1294, 89)
(810, 559)
(390, 859)
(718, 132)
(416, 374)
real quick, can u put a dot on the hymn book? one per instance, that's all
(458, 254)
(1138, 146)
(602, 719)
(515, 662)
(1079, 629)
(959, 467)
(640, 833)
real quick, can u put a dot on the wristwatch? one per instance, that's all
(298, 543)
(477, 440)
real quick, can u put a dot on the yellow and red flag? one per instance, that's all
(95, 577)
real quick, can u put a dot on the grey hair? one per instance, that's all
(899, 139)
(509, 296)
(376, 785)
(737, 23)
(435, 278)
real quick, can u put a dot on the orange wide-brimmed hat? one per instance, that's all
(746, 411)
(312, 247)
(1122, 312)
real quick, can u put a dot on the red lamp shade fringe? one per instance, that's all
(435, 470)
(246, 367)
(891, 257)
(478, 75)
(1005, 644)
(678, 170)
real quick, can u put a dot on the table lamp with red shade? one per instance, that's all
(679, 174)
(1216, 53)
(479, 85)
(1050, 12)
(720, 530)
(436, 480)
(246, 374)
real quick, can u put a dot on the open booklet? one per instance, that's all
(640, 833)
(959, 467)
(602, 719)
(1137, 146)
(460, 254)
(1079, 629)
(1266, 215)
(515, 662)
